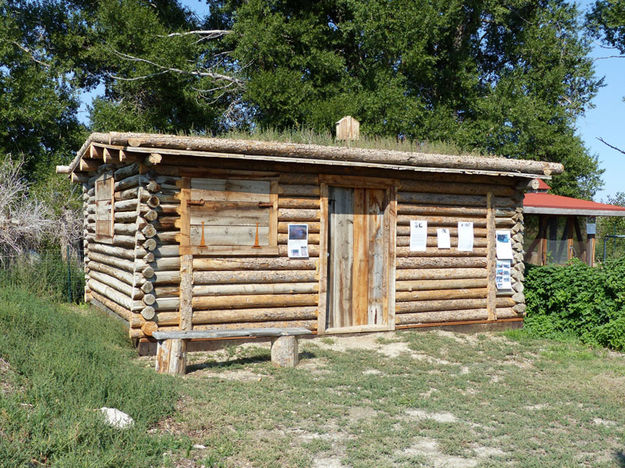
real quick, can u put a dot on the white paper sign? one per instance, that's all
(502, 274)
(465, 236)
(297, 244)
(418, 235)
(443, 238)
(503, 242)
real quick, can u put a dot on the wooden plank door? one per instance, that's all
(357, 258)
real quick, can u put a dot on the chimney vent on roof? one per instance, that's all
(348, 128)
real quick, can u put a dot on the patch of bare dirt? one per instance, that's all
(358, 413)
(443, 417)
(6, 378)
(240, 375)
(428, 448)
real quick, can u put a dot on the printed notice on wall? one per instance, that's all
(465, 236)
(504, 245)
(443, 238)
(298, 241)
(502, 274)
(418, 235)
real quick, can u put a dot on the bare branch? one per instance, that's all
(611, 146)
(207, 33)
(608, 57)
(29, 52)
(166, 69)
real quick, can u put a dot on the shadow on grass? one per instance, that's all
(238, 362)
(620, 458)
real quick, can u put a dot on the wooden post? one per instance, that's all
(284, 351)
(172, 354)
(491, 301)
(348, 128)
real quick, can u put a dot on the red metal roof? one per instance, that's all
(543, 202)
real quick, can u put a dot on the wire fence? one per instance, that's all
(52, 272)
(611, 247)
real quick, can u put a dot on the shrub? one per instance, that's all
(576, 299)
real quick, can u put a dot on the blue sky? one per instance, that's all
(605, 120)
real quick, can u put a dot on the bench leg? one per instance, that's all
(284, 351)
(171, 357)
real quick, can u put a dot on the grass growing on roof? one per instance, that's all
(309, 137)
(62, 366)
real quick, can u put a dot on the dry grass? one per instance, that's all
(412, 398)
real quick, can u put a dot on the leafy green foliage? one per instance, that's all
(578, 300)
(66, 365)
(507, 78)
(606, 225)
(606, 20)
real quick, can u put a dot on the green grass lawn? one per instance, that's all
(428, 398)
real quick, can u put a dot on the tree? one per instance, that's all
(507, 78)
(606, 21)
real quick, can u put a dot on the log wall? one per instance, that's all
(138, 275)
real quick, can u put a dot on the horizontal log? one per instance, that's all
(425, 210)
(313, 239)
(112, 305)
(439, 305)
(438, 199)
(435, 262)
(441, 274)
(434, 252)
(507, 312)
(149, 299)
(122, 275)
(313, 250)
(300, 203)
(250, 289)
(262, 276)
(111, 293)
(127, 205)
(112, 250)
(432, 241)
(125, 216)
(442, 316)
(167, 251)
(167, 291)
(201, 317)
(166, 277)
(294, 178)
(130, 182)
(505, 302)
(126, 241)
(443, 284)
(126, 171)
(287, 214)
(453, 231)
(167, 263)
(249, 301)
(299, 190)
(313, 227)
(119, 285)
(168, 208)
(167, 237)
(125, 228)
(438, 294)
(442, 221)
(107, 259)
(148, 313)
(454, 188)
(255, 263)
(166, 303)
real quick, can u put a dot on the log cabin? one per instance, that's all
(194, 233)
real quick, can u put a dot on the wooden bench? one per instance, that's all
(171, 351)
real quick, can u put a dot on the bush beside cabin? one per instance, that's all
(192, 233)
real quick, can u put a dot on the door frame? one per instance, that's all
(390, 226)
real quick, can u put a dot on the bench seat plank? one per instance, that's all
(245, 332)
